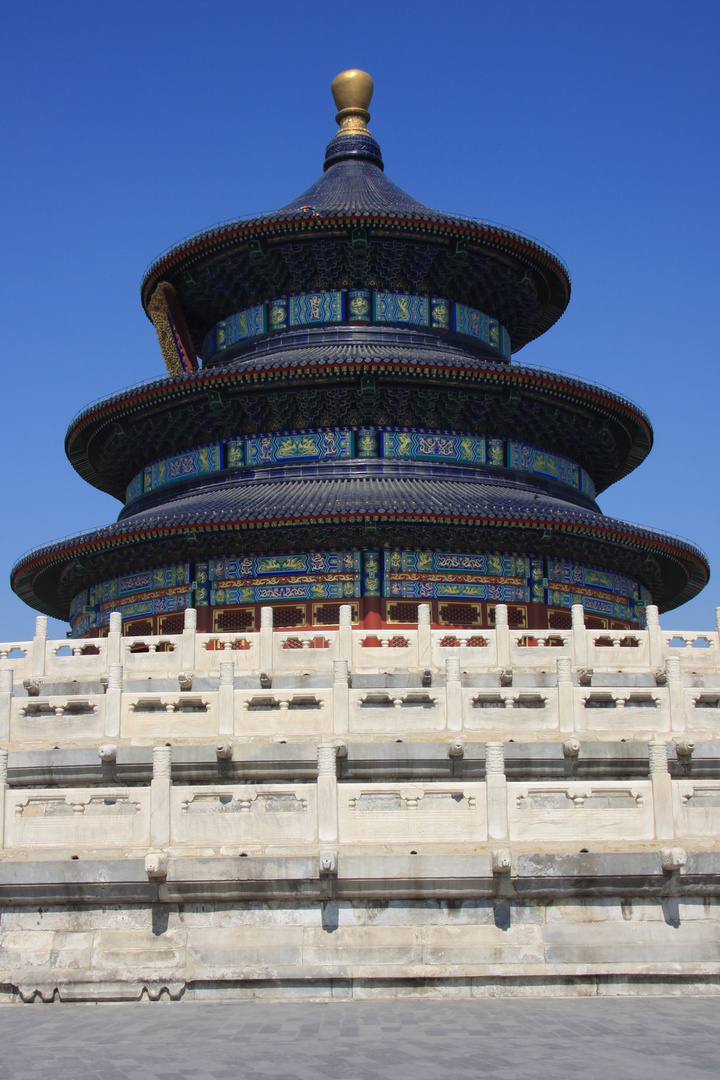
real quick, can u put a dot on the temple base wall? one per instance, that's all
(361, 949)
(356, 815)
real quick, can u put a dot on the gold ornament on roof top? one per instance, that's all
(352, 91)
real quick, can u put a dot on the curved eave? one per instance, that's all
(194, 524)
(276, 370)
(493, 237)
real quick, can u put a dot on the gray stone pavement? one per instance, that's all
(590, 1038)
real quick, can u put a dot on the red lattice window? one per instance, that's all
(235, 619)
(326, 615)
(402, 613)
(89, 650)
(173, 624)
(288, 616)
(476, 643)
(459, 614)
(562, 620)
(329, 614)
(138, 628)
(592, 622)
(517, 618)
(449, 642)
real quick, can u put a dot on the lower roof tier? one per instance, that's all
(378, 512)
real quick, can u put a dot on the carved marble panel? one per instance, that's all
(446, 813)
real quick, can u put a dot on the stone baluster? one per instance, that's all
(39, 646)
(344, 650)
(114, 639)
(327, 793)
(580, 649)
(266, 640)
(113, 701)
(424, 637)
(188, 641)
(655, 647)
(341, 697)
(662, 791)
(496, 788)
(3, 786)
(453, 695)
(160, 796)
(566, 694)
(226, 698)
(6, 692)
(502, 636)
(676, 693)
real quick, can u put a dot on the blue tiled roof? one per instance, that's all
(357, 187)
(297, 502)
(290, 500)
(252, 504)
(352, 185)
(320, 356)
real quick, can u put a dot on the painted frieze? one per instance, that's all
(300, 446)
(530, 459)
(472, 323)
(439, 313)
(433, 446)
(367, 443)
(358, 306)
(241, 326)
(603, 592)
(307, 576)
(202, 461)
(304, 309)
(400, 308)
(432, 574)
(416, 444)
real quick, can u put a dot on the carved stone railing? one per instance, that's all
(386, 649)
(219, 816)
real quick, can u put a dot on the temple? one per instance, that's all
(343, 421)
(364, 696)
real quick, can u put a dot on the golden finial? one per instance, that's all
(352, 91)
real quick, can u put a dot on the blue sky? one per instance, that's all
(592, 126)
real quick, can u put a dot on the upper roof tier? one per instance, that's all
(355, 229)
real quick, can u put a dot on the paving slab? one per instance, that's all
(429, 1039)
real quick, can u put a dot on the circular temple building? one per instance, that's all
(344, 422)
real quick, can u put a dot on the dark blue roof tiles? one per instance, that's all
(258, 503)
(288, 500)
(354, 188)
(297, 502)
(438, 356)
